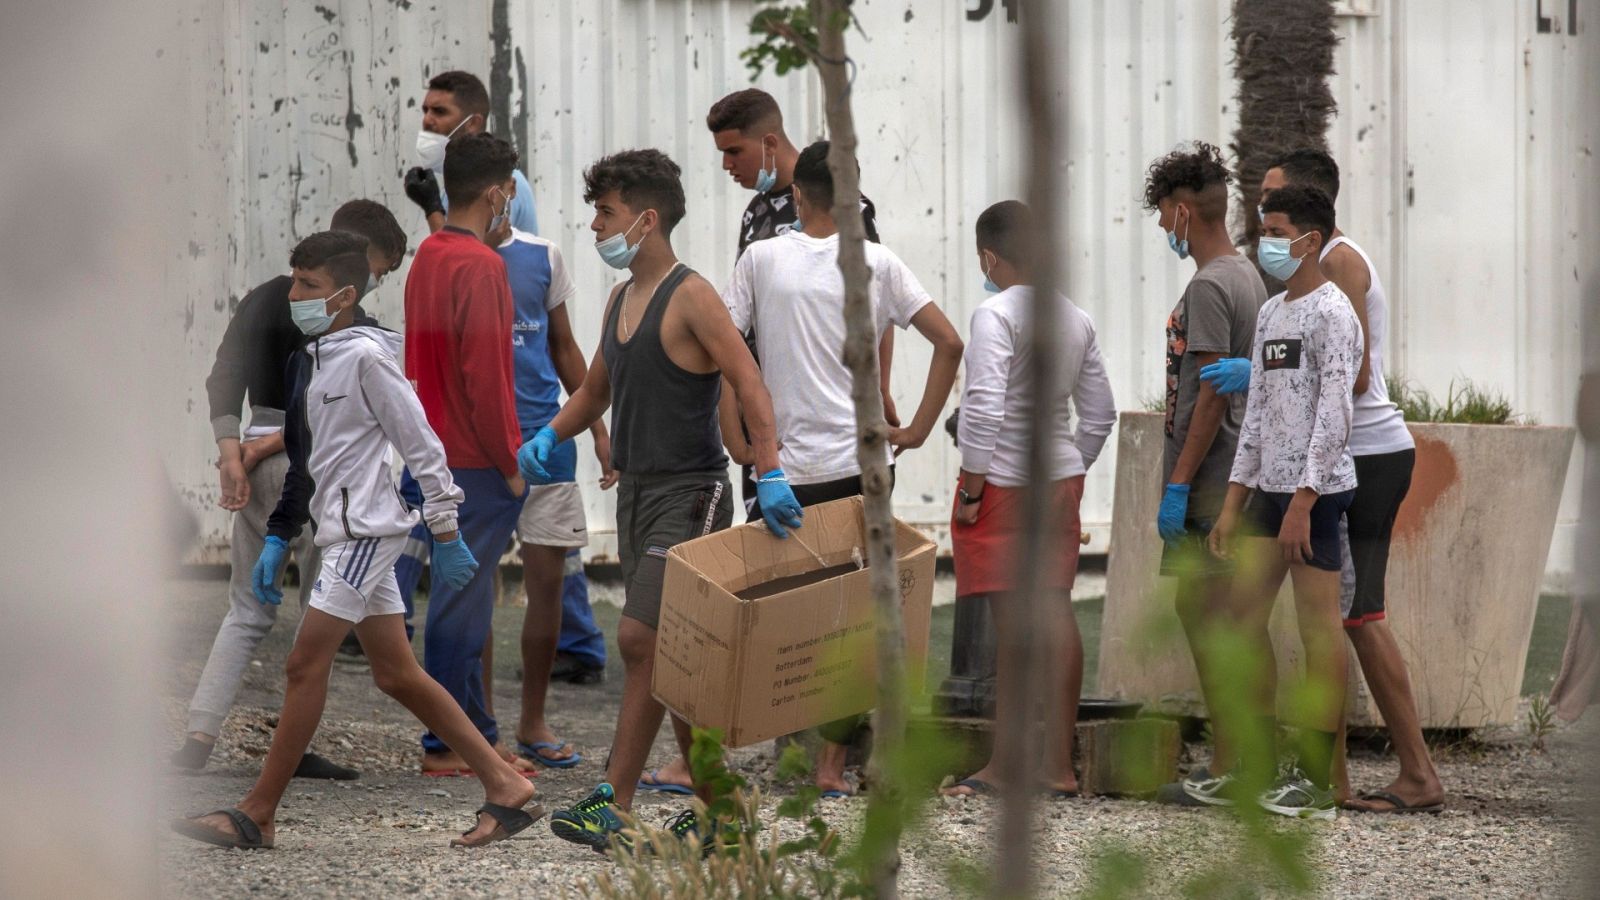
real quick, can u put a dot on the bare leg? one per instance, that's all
(1316, 603)
(831, 760)
(683, 733)
(1066, 655)
(305, 693)
(1246, 668)
(1385, 670)
(1203, 605)
(396, 673)
(640, 717)
(542, 571)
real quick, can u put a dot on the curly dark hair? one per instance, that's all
(645, 179)
(1195, 169)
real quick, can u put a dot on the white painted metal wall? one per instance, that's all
(1468, 165)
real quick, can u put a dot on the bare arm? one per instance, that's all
(1345, 268)
(589, 402)
(733, 427)
(570, 368)
(1204, 422)
(885, 364)
(713, 328)
(931, 323)
(254, 451)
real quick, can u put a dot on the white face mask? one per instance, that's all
(431, 144)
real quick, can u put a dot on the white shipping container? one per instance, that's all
(1468, 158)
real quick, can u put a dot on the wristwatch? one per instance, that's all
(966, 498)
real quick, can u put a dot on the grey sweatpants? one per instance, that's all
(248, 620)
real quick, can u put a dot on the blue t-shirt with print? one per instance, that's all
(539, 283)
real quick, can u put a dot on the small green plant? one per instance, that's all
(746, 859)
(1466, 404)
(1541, 721)
(1153, 403)
(786, 37)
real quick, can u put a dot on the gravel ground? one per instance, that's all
(1513, 830)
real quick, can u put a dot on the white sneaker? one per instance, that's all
(1209, 789)
(1296, 797)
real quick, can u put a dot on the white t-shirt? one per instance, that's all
(1296, 430)
(789, 290)
(997, 403)
(1378, 427)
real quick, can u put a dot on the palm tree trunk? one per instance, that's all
(1283, 58)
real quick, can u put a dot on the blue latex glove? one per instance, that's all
(264, 577)
(1174, 506)
(779, 508)
(535, 454)
(453, 565)
(1228, 375)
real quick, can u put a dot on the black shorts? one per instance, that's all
(1385, 478)
(656, 513)
(1266, 519)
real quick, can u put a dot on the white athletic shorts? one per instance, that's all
(357, 579)
(552, 516)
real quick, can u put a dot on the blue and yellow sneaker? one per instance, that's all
(685, 827)
(591, 822)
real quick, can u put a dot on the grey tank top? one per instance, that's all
(663, 418)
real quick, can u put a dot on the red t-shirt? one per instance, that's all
(458, 349)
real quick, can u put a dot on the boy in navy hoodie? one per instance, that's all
(348, 402)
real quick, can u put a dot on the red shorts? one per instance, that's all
(988, 553)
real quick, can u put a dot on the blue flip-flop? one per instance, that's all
(656, 784)
(531, 752)
(836, 795)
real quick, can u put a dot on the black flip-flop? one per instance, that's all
(248, 837)
(509, 821)
(1059, 794)
(1397, 805)
(978, 786)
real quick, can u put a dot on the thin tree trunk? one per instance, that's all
(861, 356)
(1020, 712)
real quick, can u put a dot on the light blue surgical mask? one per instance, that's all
(499, 219)
(372, 282)
(767, 179)
(615, 250)
(1275, 258)
(988, 282)
(311, 316)
(1179, 247)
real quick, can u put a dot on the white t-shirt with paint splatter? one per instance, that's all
(1296, 430)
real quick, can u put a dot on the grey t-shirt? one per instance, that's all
(1216, 314)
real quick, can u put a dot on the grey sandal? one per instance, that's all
(509, 821)
(247, 838)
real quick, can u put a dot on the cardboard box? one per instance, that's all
(759, 638)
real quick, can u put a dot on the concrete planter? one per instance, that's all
(1464, 574)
